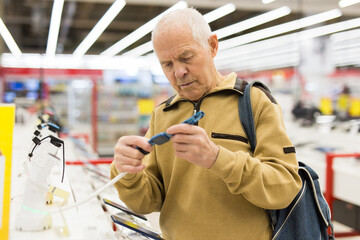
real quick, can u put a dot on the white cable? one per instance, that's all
(97, 192)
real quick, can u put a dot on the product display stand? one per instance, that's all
(84, 174)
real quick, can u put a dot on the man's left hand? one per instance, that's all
(193, 144)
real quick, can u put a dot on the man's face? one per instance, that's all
(186, 64)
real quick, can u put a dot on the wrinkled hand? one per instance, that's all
(126, 157)
(193, 144)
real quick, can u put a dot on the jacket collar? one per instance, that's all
(231, 82)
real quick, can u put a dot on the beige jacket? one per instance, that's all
(228, 200)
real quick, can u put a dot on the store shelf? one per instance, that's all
(117, 115)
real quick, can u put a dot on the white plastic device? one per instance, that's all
(33, 215)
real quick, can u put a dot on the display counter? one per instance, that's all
(90, 220)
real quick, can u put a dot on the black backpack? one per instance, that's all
(308, 215)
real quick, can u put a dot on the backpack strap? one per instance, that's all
(245, 111)
(307, 174)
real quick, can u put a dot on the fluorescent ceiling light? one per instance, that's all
(139, 33)
(294, 38)
(209, 17)
(9, 40)
(99, 28)
(346, 54)
(354, 60)
(275, 65)
(140, 50)
(328, 29)
(54, 27)
(68, 61)
(346, 45)
(279, 29)
(252, 22)
(262, 58)
(267, 1)
(344, 36)
(264, 45)
(219, 12)
(286, 60)
(346, 3)
(246, 56)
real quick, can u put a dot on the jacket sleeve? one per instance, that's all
(269, 177)
(142, 192)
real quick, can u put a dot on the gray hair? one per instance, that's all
(200, 28)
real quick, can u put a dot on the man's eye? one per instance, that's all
(186, 59)
(167, 65)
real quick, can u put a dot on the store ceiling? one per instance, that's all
(28, 20)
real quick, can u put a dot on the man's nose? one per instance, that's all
(180, 70)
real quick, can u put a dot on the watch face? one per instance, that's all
(160, 138)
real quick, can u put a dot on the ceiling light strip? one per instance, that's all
(290, 38)
(277, 65)
(346, 54)
(290, 57)
(139, 33)
(252, 22)
(345, 46)
(329, 29)
(140, 50)
(279, 29)
(99, 28)
(268, 63)
(264, 45)
(54, 27)
(246, 56)
(346, 3)
(344, 36)
(209, 17)
(9, 40)
(267, 1)
(286, 39)
(219, 12)
(347, 62)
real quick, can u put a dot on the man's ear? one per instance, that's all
(214, 44)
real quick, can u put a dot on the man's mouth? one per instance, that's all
(186, 84)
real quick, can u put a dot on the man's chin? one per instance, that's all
(192, 97)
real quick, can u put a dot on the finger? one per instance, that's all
(123, 160)
(181, 128)
(181, 147)
(135, 141)
(127, 151)
(189, 148)
(185, 138)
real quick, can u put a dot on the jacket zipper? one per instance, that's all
(197, 108)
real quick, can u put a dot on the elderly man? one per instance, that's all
(205, 182)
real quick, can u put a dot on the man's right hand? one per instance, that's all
(126, 157)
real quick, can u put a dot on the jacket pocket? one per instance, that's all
(229, 136)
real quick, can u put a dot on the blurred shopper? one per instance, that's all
(205, 182)
(306, 112)
(343, 104)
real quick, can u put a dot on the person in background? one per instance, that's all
(205, 182)
(343, 104)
